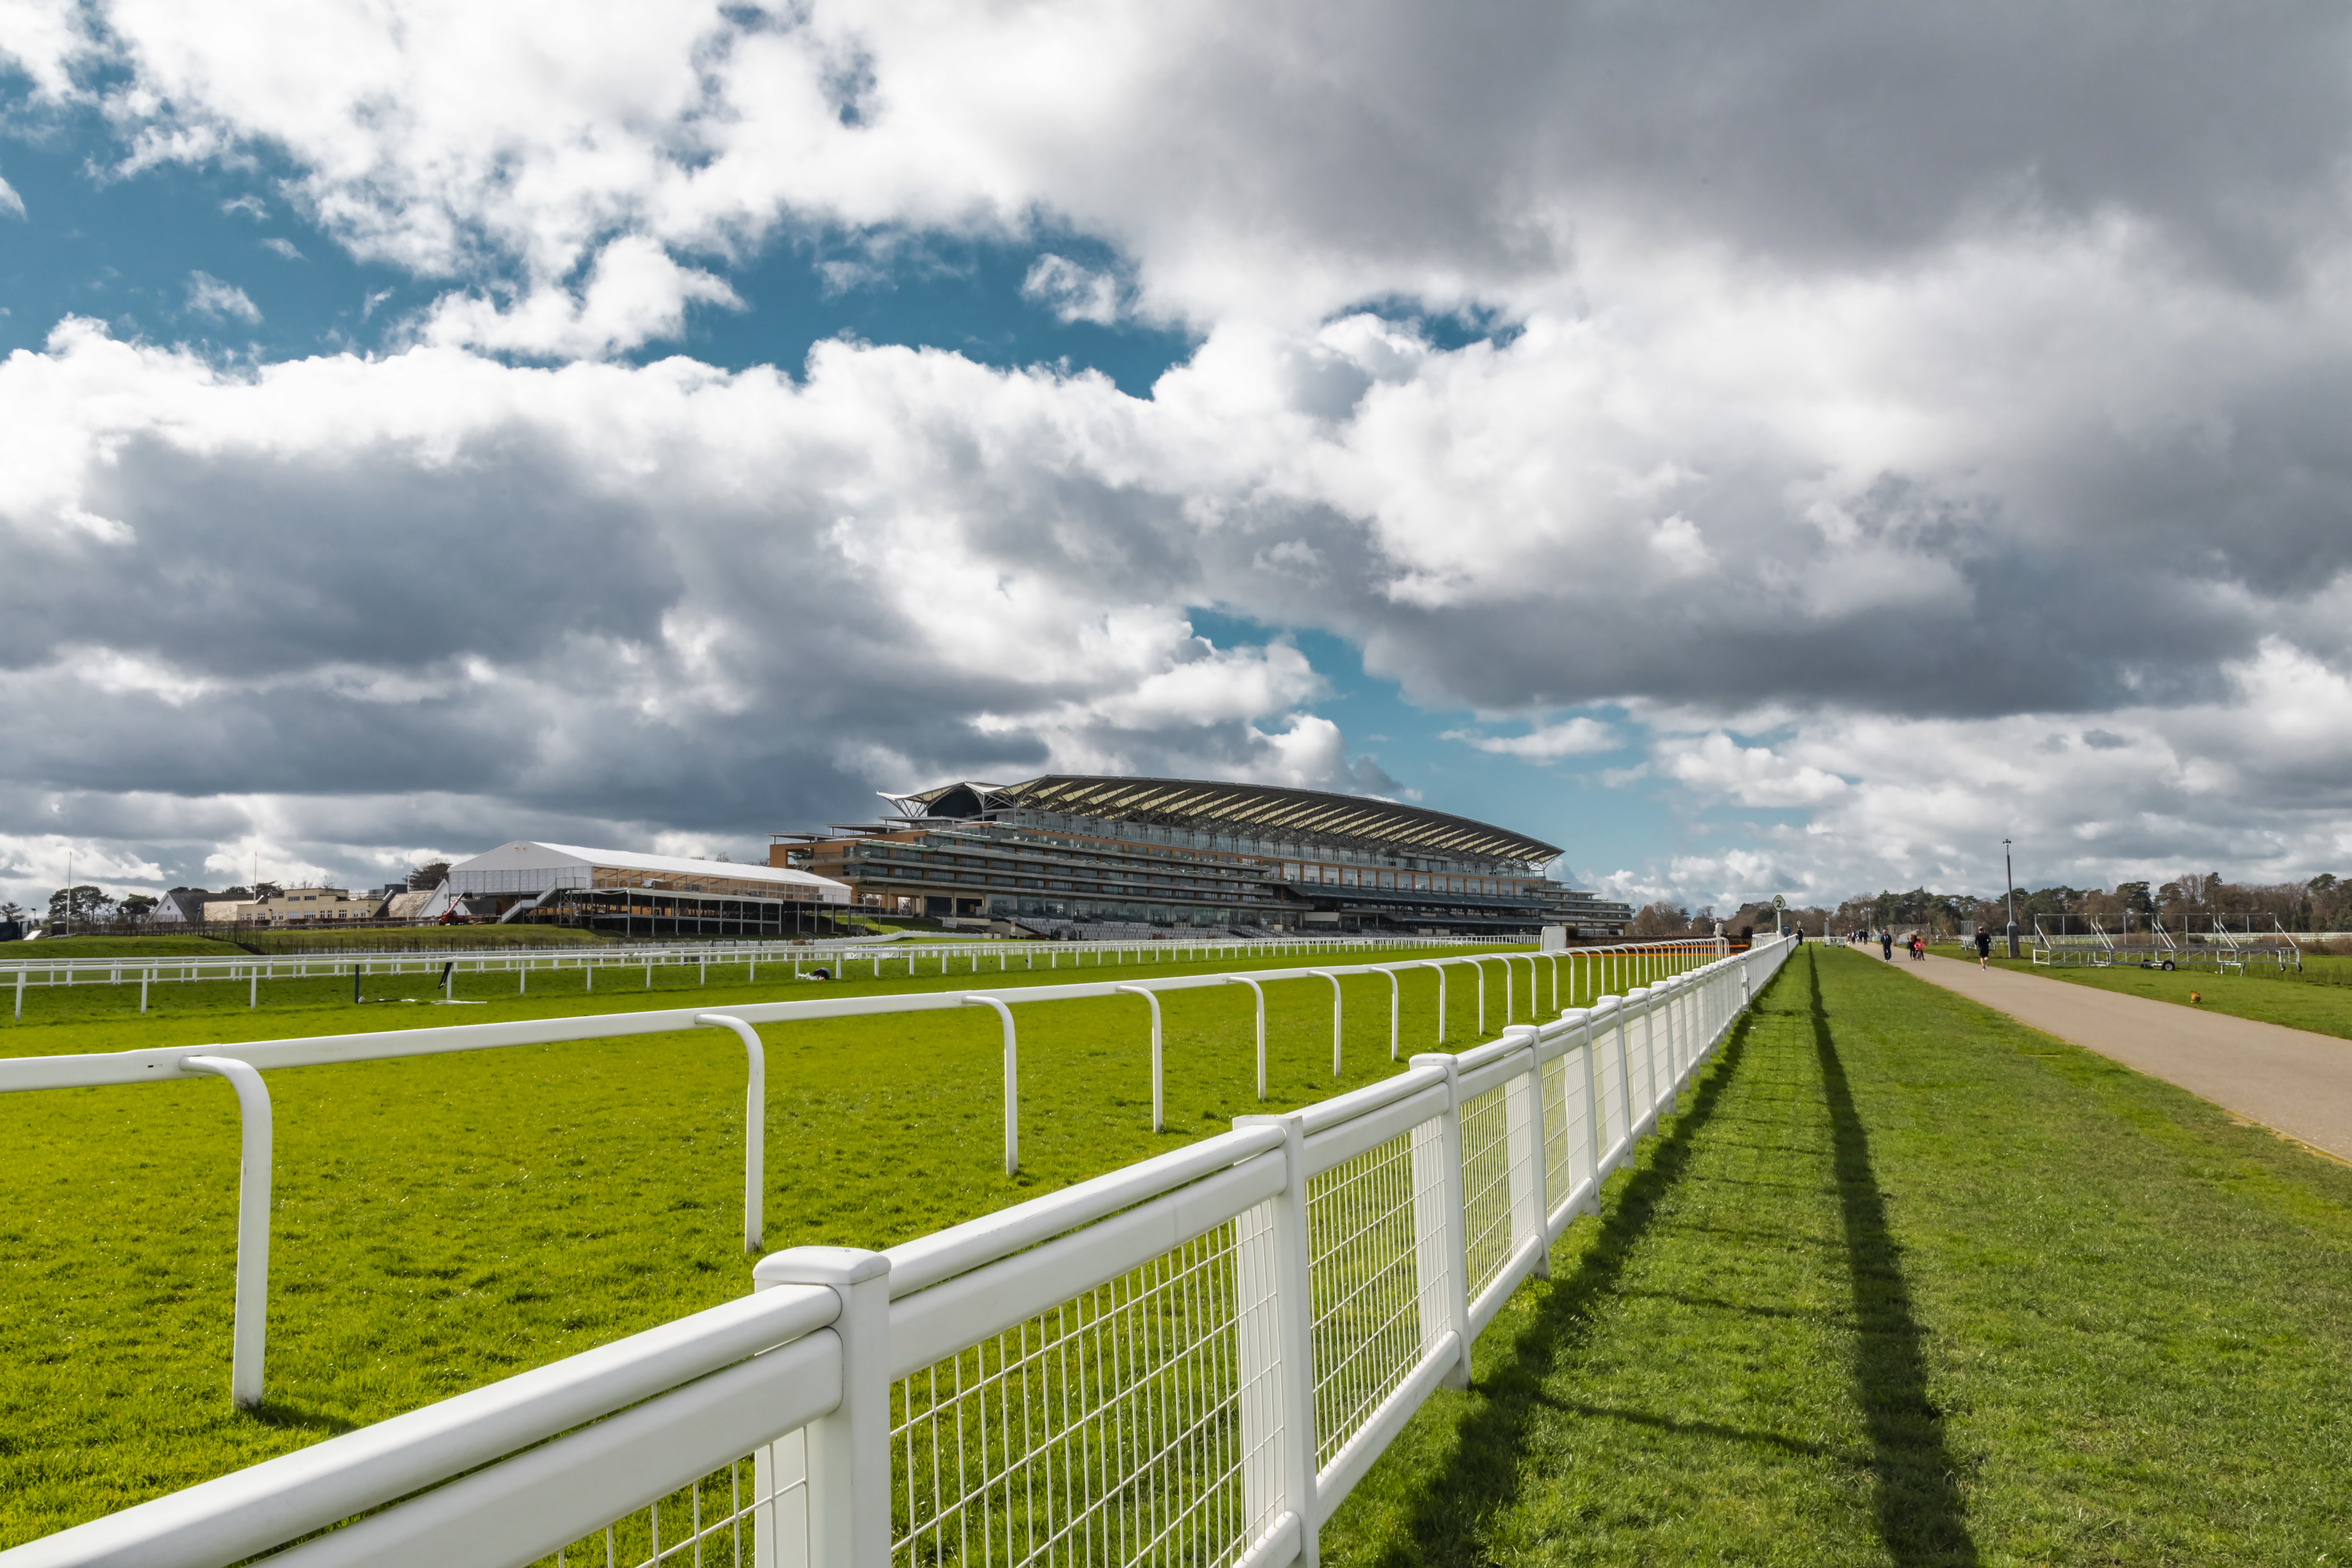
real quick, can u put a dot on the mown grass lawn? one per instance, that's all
(103, 948)
(1907, 1282)
(443, 1221)
(291, 940)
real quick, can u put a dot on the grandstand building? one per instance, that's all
(1073, 851)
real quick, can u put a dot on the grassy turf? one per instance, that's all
(296, 939)
(109, 947)
(419, 939)
(1907, 1282)
(2320, 1000)
(443, 1221)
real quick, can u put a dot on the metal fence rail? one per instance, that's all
(2232, 943)
(840, 960)
(1192, 1360)
(1619, 965)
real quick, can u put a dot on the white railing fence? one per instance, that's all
(240, 1064)
(1191, 1360)
(619, 964)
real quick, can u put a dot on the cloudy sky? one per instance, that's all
(1762, 448)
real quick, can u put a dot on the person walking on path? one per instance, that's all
(1886, 945)
(1984, 945)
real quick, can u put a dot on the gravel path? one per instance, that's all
(2291, 1080)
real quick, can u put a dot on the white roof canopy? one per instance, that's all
(529, 866)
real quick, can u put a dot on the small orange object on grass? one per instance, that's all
(2194, 998)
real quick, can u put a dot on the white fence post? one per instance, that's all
(1441, 1256)
(247, 1340)
(1596, 1109)
(1635, 1004)
(1276, 1341)
(1395, 1000)
(755, 1124)
(1673, 988)
(1012, 1082)
(1158, 1123)
(849, 1449)
(1259, 992)
(1525, 1152)
(1335, 1019)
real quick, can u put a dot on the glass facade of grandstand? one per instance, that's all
(1081, 851)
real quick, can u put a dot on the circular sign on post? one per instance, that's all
(1778, 902)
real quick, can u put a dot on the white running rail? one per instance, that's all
(619, 962)
(1191, 1360)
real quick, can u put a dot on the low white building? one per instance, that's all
(629, 893)
(181, 906)
(313, 904)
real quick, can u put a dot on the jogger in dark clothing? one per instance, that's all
(1984, 947)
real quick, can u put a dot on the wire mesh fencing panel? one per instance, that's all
(1566, 1112)
(1610, 1041)
(1376, 1239)
(1486, 1173)
(751, 1514)
(1131, 1424)
(1640, 1061)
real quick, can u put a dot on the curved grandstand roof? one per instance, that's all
(1260, 810)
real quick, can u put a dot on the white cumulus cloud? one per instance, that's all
(208, 296)
(1072, 292)
(1545, 742)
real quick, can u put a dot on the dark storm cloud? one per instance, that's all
(1812, 135)
(246, 565)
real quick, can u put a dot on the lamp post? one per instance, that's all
(2009, 870)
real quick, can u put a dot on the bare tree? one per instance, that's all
(1660, 919)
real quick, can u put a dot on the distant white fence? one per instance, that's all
(1191, 1360)
(447, 966)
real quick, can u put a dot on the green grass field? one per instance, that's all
(318, 940)
(109, 947)
(2320, 999)
(444, 1222)
(1908, 1283)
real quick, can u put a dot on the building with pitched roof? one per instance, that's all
(1069, 848)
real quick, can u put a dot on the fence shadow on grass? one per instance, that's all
(1921, 1513)
(1482, 1473)
(287, 1416)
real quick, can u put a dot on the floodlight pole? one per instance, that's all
(2008, 869)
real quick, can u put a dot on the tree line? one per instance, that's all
(2322, 904)
(88, 906)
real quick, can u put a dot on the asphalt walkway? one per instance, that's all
(2290, 1081)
